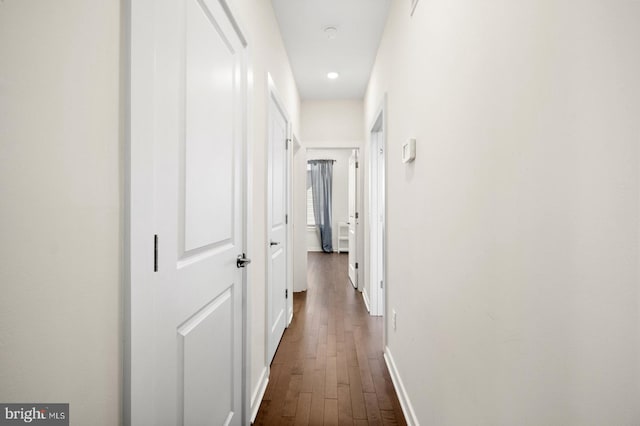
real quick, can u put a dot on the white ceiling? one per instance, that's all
(312, 54)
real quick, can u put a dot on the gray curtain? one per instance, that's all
(321, 179)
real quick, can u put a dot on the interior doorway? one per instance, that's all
(344, 206)
(374, 293)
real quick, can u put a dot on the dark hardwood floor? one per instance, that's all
(329, 367)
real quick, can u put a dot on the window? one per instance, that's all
(311, 219)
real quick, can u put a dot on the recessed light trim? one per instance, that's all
(332, 75)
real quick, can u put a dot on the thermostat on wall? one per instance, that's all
(409, 150)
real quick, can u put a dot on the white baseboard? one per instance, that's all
(258, 393)
(365, 297)
(405, 403)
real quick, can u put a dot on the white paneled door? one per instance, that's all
(187, 136)
(277, 225)
(353, 218)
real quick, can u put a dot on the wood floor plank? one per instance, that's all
(388, 418)
(319, 382)
(322, 333)
(350, 349)
(345, 412)
(357, 396)
(297, 366)
(307, 375)
(331, 412)
(341, 368)
(373, 412)
(365, 374)
(291, 398)
(304, 409)
(321, 356)
(331, 345)
(316, 412)
(380, 384)
(340, 327)
(331, 379)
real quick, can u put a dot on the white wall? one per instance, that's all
(331, 121)
(340, 194)
(60, 208)
(267, 55)
(323, 124)
(512, 238)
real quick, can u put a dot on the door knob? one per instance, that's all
(274, 243)
(242, 261)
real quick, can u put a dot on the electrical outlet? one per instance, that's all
(394, 319)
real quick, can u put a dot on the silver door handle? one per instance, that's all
(274, 243)
(242, 261)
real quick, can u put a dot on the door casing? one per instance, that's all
(354, 217)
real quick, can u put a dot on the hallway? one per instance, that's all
(329, 367)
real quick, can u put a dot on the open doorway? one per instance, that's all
(333, 215)
(374, 292)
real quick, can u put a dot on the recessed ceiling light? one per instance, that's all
(332, 75)
(331, 32)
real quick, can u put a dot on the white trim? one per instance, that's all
(247, 189)
(365, 297)
(248, 230)
(291, 144)
(258, 393)
(403, 396)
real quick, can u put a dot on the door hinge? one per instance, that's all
(357, 164)
(357, 215)
(356, 265)
(286, 143)
(380, 283)
(155, 253)
(286, 219)
(286, 293)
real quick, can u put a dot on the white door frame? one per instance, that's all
(277, 99)
(138, 229)
(377, 213)
(292, 146)
(314, 146)
(358, 196)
